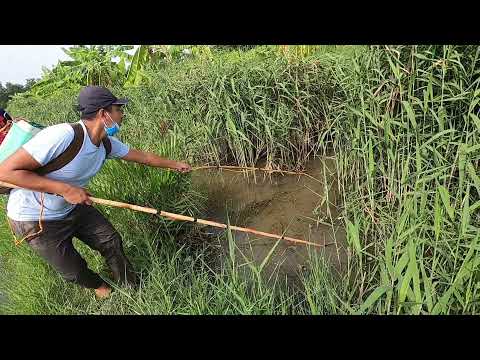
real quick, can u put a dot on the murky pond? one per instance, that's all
(298, 206)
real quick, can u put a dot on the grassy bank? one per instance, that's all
(175, 280)
(403, 125)
(409, 161)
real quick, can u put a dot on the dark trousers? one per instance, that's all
(87, 224)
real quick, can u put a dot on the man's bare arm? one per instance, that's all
(19, 168)
(151, 159)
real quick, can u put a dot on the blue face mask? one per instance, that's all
(115, 128)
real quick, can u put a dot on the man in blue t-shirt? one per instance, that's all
(60, 196)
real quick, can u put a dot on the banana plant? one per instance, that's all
(89, 65)
(148, 54)
(136, 70)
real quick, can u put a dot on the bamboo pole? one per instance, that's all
(123, 205)
(237, 228)
(247, 168)
(186, 218)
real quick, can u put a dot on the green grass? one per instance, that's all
(406, 165)
(403, 124)
(176, 280)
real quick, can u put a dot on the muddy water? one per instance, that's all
(298, 206)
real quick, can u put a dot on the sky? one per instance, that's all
(21, 62)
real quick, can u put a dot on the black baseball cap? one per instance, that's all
(93, 98)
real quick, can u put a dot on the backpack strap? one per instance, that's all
(108, 145)
(68, 155)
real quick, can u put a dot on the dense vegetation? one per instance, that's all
(402, 122)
